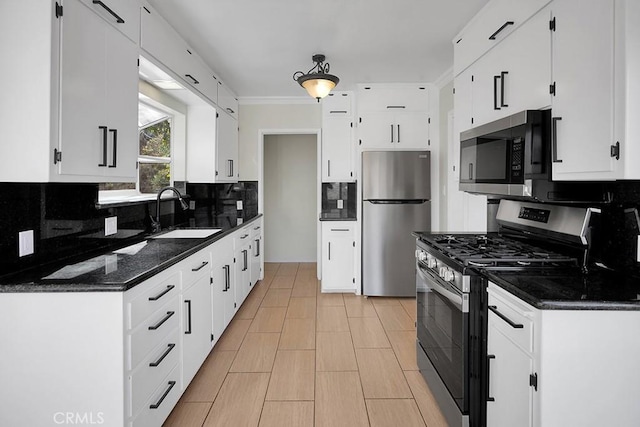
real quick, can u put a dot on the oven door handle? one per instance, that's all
(454, 298)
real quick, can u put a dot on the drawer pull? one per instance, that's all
(489, 357)
(164, 319)
(166, 392)
(201, 266)
(163, 293)
(111, 12)
(170, 347)
(244, 236)
(494, 309)
(339, 229)
(505, 25)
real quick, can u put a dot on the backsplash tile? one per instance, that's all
(67, 222)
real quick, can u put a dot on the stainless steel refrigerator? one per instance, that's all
(396, 193)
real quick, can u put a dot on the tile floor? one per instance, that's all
(295, 357)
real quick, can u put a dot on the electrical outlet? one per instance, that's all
(25, 243)
(110, 263)
(239, 205)
(240, 221)
(340, 204)
(110, 225)
(192, 205)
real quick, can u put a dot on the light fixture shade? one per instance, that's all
(319, 86)
(317, 81)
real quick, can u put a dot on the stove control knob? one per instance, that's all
(431, 262)
(441, 271)
(448, 275)
(422, 256)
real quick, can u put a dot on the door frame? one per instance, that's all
(288, 131)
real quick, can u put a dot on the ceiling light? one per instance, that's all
(317, 81)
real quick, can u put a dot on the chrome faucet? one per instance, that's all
(155, 223)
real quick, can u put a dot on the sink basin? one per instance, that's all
(188, 233)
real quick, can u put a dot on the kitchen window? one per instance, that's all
(155, 126)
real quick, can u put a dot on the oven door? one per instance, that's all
(443, 336)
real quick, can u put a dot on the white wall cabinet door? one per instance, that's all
(397, 130)
(121, 14)
(98, 110)
(412, 130)
(227, 101)
(337, 149)
(509, 370)
(196, 327)
(583, 67)
(243, 258)
(227, 148)
(338, 256)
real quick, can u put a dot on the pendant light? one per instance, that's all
(317, 81)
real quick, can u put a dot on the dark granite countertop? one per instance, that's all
(568, 289)
(116, 270)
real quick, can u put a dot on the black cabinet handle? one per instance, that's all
(193, 80)
(338, 111)
(161, 294)
(188, 302)
(396, 106)
(489, 357)
(230, 110)
(511, 323)
(111, 12)
(328, 167)
(495, 92)
(505, 25)
(329, 251)
(104, 146)
(392, 134)
(227, 278)
(115, 148)
(201, 266)
(470, 170)
(245, 254)
(257, 247)
(502, 74)
(398, 133)
(554, 140)
(166, 392)
(244, 236)
(170, 347)
(230, 164)
(339, 229)
(164, 319)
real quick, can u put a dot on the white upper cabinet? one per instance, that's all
(122, 14)
(162, 42)
(79, 110)
(338, 138)
(227, 100)
(583, 74)
(99, 102)
(227, 149)
(516, 75)
(489, 27)
(394, 116)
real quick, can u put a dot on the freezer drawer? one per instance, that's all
(388, 259)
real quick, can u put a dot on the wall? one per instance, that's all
(290, 198)
(256, 118)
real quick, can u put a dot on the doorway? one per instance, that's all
(290, 197)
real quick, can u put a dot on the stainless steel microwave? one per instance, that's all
(505, 156)
(511, 158)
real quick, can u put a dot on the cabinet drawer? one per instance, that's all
(152, 331)
(150, 374)
(163, 399)
(513, 318)
(122, 14)
(152, 299)
(489, 27)
(393, 98)
(195, 266)
(338, 104)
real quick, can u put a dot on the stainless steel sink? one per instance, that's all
(188, 233)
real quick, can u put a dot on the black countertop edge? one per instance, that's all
(559, 304)
(55, 286)
(337, 219)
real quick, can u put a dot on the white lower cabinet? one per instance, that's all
(223, 286)
(242, 250)
(255, 265)
(338, 256)
(196, 328)
(557, 367)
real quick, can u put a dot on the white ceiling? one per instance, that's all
(256, 45)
